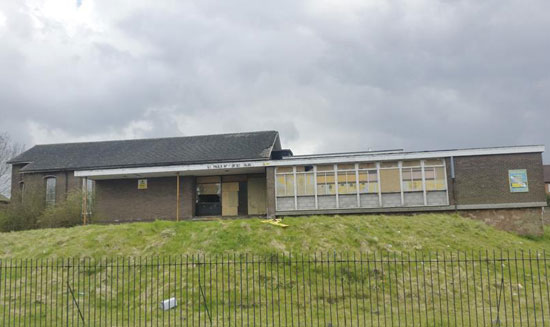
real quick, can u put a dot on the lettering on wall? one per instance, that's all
(229, 165)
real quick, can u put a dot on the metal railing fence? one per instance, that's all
(325, 289)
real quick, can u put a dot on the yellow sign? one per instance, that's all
(142, 184)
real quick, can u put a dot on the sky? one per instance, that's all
(329, 75)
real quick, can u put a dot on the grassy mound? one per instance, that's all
(429, 232)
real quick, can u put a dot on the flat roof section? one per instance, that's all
(225, 167)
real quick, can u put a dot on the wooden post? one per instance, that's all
(178, 197)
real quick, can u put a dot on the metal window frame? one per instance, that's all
(379, 184)
(357, 184)
(295, 188)
(336, 186)
(400, 165)
(356, 170)
(425, 195)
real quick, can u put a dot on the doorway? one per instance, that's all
(208, 200)
(222, 196)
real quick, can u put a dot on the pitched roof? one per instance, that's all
(547, 173)
(150, 152)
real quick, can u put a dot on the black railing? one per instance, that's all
(417, 289)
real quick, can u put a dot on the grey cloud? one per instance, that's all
(397, 74)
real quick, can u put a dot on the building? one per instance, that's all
(4, 202)
(547, 178)
(250, 174)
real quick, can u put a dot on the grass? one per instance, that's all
(307, 235)
(442, 293)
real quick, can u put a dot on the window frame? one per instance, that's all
(49, 198)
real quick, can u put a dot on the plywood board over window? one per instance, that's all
(390, 181)
(230, 199)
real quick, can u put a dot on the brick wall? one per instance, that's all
(526, 221)
(484, 179)
(120, 199)
(35, 183)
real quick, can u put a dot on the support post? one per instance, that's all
(178, 197)
(84, 201)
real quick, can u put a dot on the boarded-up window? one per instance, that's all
(305, 183)
(347, 180)
(284, 170)
(412, 179)
(433, 162)
(368, 181)
(435, 178)
(325, 180)
(389, 164)
(390, 181)
(367, 165)
(285, 184)
(50, 190)
(413, 163)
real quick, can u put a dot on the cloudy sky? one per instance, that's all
(330, 75)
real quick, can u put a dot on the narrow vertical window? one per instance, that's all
(50, 190)
(21, 190)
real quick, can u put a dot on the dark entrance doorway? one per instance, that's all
(243, 199)
(208, 196)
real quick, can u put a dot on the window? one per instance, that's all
(368, 181)
(347, 180)
(50, 190)
(285, 181)
(325, 180)
(305, 180)
(368, 178)
(389, 177)
(435, 178)
(21, 190)
(412, 179)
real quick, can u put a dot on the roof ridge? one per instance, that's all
(156, 138)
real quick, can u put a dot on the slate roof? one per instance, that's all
(150, 152)
(547, 173)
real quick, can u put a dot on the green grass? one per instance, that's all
(429, 232)
(439, 292)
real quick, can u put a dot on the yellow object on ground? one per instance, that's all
(275, 222)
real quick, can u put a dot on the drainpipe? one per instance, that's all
(453, 179)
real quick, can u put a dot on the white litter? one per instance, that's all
(168, 304)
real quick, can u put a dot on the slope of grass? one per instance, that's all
(430, 232)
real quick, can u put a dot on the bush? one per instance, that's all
(65, 214)
(32, 213)
(21, 216)
(548, 199)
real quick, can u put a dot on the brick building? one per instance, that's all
(250, 174)
(547, 178)
(4, 202)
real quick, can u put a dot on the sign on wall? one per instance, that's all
(142, 184)
(518, 180)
